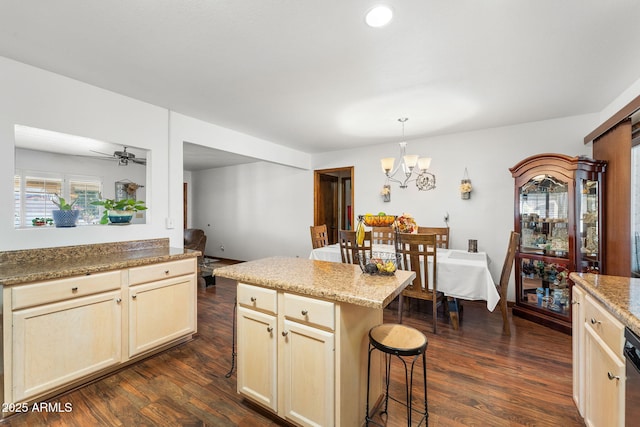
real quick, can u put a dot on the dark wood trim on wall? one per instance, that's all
(615, 147)
(185, 199)
(618, 117)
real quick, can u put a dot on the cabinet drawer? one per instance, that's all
(607, 327)
(309, 310)
(63, 289)
(262, 299)
(164, 270)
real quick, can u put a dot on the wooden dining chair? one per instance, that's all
(417, 251)
(442, 235)
(503, 285)
(383, 235)
(349, 251)
(319, 236)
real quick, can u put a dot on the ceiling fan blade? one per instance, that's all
(139, 161)
(104, 154)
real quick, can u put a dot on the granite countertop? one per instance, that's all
(25, 266)
(322, 279)
(621, 295)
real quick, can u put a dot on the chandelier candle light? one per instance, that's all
(407, 163)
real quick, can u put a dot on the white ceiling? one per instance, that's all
(312, 76)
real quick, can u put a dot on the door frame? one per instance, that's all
(316, 189)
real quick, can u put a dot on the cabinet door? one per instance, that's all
(257, 357)
(309, 375)
(604, 404)
(160, 312)
(57, 343)
(578, 347)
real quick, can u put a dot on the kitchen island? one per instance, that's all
(303, 336)
(72, 314)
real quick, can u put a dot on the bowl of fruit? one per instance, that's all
(379, 263)
(380, 220)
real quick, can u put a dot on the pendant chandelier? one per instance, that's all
(406, 165)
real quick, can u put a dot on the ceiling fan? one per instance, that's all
(123, 157)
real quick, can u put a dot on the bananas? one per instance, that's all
(360, 234)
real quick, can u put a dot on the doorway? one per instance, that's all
(333, 200)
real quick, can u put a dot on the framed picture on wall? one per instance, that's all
(126, 190)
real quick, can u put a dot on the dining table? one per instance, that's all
(460, 274)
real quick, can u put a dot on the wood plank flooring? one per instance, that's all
(475, 376)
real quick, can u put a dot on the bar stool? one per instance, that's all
(398, 340)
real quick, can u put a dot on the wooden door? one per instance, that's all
(332, 206)
(328, 206)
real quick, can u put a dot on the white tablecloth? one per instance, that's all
(461, 274)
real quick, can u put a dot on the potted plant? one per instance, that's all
(41, 221)
(119, 212)
(65, 216)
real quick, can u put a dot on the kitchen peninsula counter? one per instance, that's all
(74, 313)
(32, 265)
(620, 295)
(309, 321)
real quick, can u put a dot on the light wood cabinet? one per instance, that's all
(308, 374)
(577, 342)
(292, 372)
(160, 311)
(60, 333)
(57, 343)
(604, 380)
(305, 358)
(257, 357)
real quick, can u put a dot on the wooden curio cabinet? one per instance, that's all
(559, 215)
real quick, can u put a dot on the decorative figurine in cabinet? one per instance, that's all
(559, 215)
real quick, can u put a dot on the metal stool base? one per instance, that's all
(400, 353)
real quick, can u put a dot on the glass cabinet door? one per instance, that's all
(544, 212)
(589, 226)
(544, 285)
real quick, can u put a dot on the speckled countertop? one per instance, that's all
(25, 266)
(331, 281)
(621, 295)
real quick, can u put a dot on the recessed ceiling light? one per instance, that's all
(379, 16)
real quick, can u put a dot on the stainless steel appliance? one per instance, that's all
(632, 388)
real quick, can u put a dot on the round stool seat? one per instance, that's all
(398, 339)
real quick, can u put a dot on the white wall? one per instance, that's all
(254, 210)
(262, 209)
(41, 99)
(488, 155)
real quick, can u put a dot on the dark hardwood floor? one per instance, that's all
(476, 377)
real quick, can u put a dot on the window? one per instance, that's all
(84, 192)
(33, 192)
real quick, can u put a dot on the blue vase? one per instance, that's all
(65, 218)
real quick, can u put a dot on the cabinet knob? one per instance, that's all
(253, 299)
(74, 289)
(304, 312)
(594, 321)
(285, 333)
(134, 296)
(612, 377)
(575, 302)
(119, 300)
(166, 272)
(269, 329)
